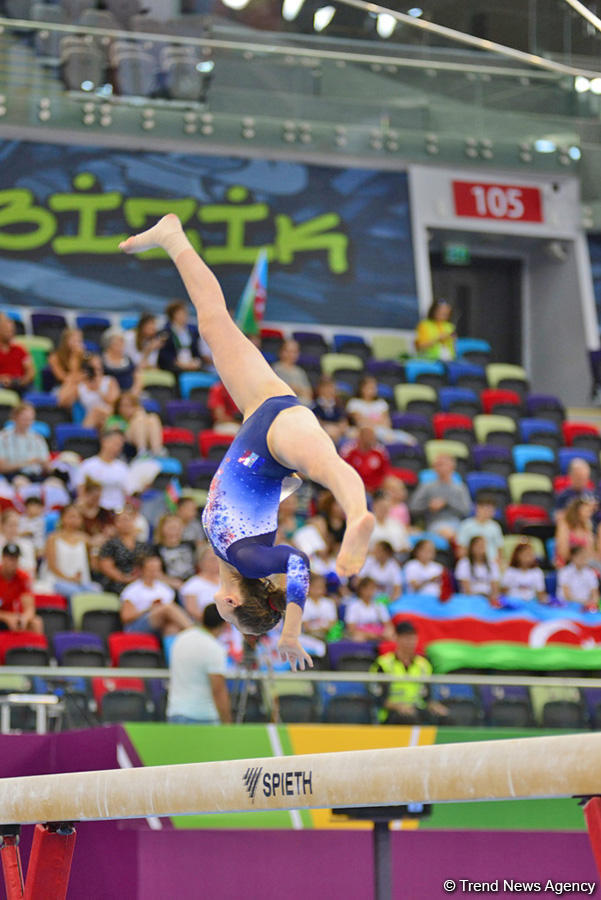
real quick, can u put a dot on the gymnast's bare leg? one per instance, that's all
(295, 438)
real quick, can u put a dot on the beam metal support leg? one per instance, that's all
(382, 861)
(50, 862)
(11, 861)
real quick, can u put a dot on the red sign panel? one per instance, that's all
(497, 201)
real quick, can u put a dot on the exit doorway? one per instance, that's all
(486, 296)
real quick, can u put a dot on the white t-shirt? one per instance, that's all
(113, 476)
(392, 531)
(479, 576)
(367, 410)
(389, 573)
(142, 596)
(523, 583)
(90, 398)
(580, 582)
(195, 654)
(416, 571)
(309, 540)
(320, 613)
(360, 613)
(136, 355)
(202, 590)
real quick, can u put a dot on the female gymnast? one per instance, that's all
(279, 437)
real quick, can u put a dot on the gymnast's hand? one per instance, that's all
(290, 650)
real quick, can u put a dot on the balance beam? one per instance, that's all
(543, 767)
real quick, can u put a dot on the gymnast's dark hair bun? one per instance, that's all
(263, 604)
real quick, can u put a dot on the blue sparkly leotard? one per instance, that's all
(241, 515)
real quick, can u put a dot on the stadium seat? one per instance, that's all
(454, 427)
(160, 385)
(488, 483)
(565, 455)
(462, 712)
(183, 78)
(415, 424)
(507, 377)
(387, 371)
(271, 340)
(77, 439)
(23, 648)
(540, 431)
(311, 343)
(406, 456)
(47, 408)
(196, 386)
(296, 708)
(171, 469)
(425, 371)
(501, 403)
(530, 488)
(499, 430)
(78, 648)
(333, 363)
(523, 515)
(47, 43)
(353, 344)
(467, 375)
(201, 471)
(128, 701)
(456, 449)
(188, 414)
(213, 444)
(507, 706)
(54, 613)
(534, 458)
(545, 406)
(581, 436)
(86, 601)
(492, 458)
(92, 327)
(349, 709)
(390, 346)
(311, 365)
(180, 443)
(137, 650)
(462, 401)
(81, 61)
(8, 400)
(473, 350)
(418, 398)
(48, 325)
(426, 475)
(564, 714)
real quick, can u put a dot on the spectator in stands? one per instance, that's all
(367, 619)
(369, 458)
(178, 556)
(289, 520)
(396, 492)
(369, 410)
(147, 603)
(17, 605)
(328, 410)
(197, 592)
(383, 568)
(524, 579)
(386, 527)
(574, 528)
(443, 502)
(476, 573)
(32, 524)
(197, 689)
(107, 469)
(179, 351)
(23, 450)
(578, 582)
(16, 365)
(291, 373)
(482, 524)
(119, 557)
(423, 574)
(98, 523)
(329, 508)
(142, 344)
(67, 365)
(320, 612)
(226, 415)
(435, 336)
(11, 528)
(142, 429)
(187, 510)
(579, 485)
(97, 393)
(67, 560)
(407, 702)
(117, 363)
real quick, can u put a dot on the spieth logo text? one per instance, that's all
(278, 784)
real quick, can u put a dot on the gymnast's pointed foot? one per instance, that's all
(355, 544)
(167, 233)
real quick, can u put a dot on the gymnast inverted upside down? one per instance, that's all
(278, 437)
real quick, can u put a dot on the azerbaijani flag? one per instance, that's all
(172, 494)
(254, 297)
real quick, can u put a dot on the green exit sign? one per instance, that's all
(457, 254)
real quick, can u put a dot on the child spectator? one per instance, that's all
(17, 606)
(178, 556)
(320, 611)
(366, 619)
(108, 470)
(147, 603)
(187, 510)
(384, 569)
(475, 573)
(524, 579)
(97, 393)
(482, 524)
(11, 526)
(142, 429)
(32, 524)
(423, 574)
(67, 562)
(578, 582)
(329, 412)
(386, 528)
(200, 590)
(396, 492)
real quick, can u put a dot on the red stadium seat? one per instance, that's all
(213, 443)
(495, 397)
(407, 476)
(272, 333)
(444, 422)
(519, 515)
(102, 686)
(575, 429)
(178, 436)
(50, 601)
(562, 483)
(120, 642)
(11, 640)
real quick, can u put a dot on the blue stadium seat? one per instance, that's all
(467, 375)
(459, 400)
(427, 475)
(525, 455)
(490, 482)
(77, 438)
(188, 381)
(565, 456)
(425, 371)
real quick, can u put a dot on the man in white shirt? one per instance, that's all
(147, 603)
(198, 691)
(108, 470)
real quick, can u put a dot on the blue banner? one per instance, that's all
(338, 241)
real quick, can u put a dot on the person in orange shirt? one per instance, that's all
(435, 336)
